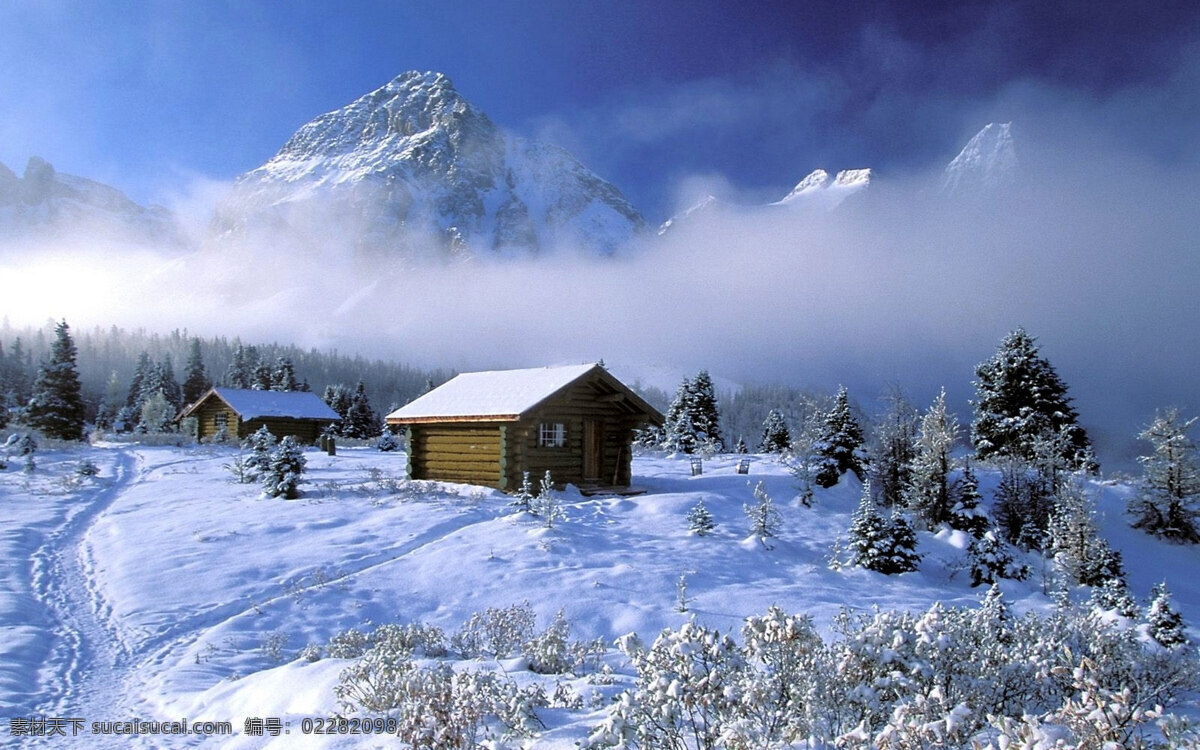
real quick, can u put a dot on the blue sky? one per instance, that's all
(747, 96)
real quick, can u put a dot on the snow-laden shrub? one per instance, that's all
(685, 695)
(310, 653)
(497, 632)
(86, 468)
(436, 706)
(427, 640)
(348, 644)
(553, 652)
(947, 677)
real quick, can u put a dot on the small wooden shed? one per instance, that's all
(489, 427)
(241, 412)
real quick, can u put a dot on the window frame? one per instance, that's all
(552, 435)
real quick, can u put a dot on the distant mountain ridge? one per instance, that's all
(47, 203)
(987, 164)
(414, 163)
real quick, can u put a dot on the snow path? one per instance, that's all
(84, 674)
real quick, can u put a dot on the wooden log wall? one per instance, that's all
(455, 453)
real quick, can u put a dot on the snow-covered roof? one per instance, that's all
(251, 404)
(497, 394)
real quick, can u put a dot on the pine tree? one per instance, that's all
(1019, 398)
(840, 448)
(991, 559)
(168, 385)
(56, 407)
(339, 399)
(741, 447)
(157, 415)
(195, 380)
(775, 436)
(764, 518)
(706, 417)
(143, 371)
(1168, 501)
(1073, 538)
(928, 491)
(361, 421)
(261, 378)
(679, 432)
(901, 554)
(1165, 624)
(261, 445)
(110, 404)
(240, 373)
(284, 376)
(868, 533)
(966, 513)
(284, 470)
(893, 449)
(700, 520)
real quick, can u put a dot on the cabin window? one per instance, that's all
(221, 421)
(552, 435)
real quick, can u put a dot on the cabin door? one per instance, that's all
(593, 450)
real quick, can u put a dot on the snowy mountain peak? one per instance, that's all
(820, 190)
(415, 166)
(45, 202)
(987, 162)
(701, 206)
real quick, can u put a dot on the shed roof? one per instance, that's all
(502, 395)
(251, 404)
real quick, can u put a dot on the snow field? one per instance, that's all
(200, 593)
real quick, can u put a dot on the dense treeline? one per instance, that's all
(105, 354)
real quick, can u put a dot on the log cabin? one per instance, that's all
(489, 428)
(241, 412)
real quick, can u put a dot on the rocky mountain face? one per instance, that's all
(414, 168)
(987, 163)
(45, 203)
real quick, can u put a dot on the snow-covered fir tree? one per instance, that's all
(281, 478)
(361, 420)
(168, 385)
(338, 397)
(990, 558)
(195, 378)
(1168, 499)
(840, 446)
(700, 519)
(157, 415)
(283, 377)
(1019, 398)
(261, 445)
(881, 544)
(693, 419)
(1073, 538)
(765, 520)
(706, 416)
(1113, 596)
(1022, 503)
(240, 373)
(524, 499)
(262, 378)
(893, 448)
(775, 436)
(966, 514)
(1163, 622)
(387, 441)
(56, 407)
(547, 503)
(803, 461)
(740, 448)
(928, 493)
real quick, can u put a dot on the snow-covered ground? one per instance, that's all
(161, 589)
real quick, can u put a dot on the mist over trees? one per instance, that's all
(109, 359)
